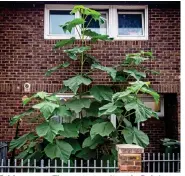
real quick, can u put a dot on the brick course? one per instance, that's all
(25, 56)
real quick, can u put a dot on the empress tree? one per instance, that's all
(91, 134)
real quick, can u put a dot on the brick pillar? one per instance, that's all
(129, 157)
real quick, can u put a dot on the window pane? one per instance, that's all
(59, 17)
(130, 24)
(95, 26)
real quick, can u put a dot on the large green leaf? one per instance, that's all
(90, 59)
(135, 74)
(133, 135)
(120, 95)
(150, 91)
(86, 154)
(107, 109)
(72, 53)
(62, 111)
(74, 143)
(70, 130)
(95, 36)
(103, 129)
(93, 109)
(110, 108)
(142, 113)
(92, 143)
(83, 125)
(111, 71)
(18, 143)
(86, 11)
(46, 108)
(68, 26)
(60, 150)
(49, 130)
(78, 104)
(64, 42)
(42, 95)
(74, 82)
(101, 92)
(51, 70)
(137, 58)
(16, 118)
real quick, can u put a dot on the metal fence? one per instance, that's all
(161, 162)
(58, 166)
(151, 162)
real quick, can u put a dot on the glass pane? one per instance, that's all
(95, 26)
(130, 24)
(59, 17)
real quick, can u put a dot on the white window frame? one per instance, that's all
(143, 28)
(49, 7)
(112, 20)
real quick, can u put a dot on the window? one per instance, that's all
(149, 102)
(121, 22)
(130, 24)
(59, 17)
(96, 26)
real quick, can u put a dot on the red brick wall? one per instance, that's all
(25, 56)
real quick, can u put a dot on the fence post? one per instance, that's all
(129, 157)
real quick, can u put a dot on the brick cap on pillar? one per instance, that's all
(129, 148)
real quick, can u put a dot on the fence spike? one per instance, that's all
(22, 165)
(148, 162)
(88, 166)
(163, 162)
(28, 165)
(158, 162)
(101, 165)
(173, 161)
(15, 164)
(35, 165)
(108, 166)
(8, 165)
(168, 162)
(2, 162)
(68, 165)
(49, 164)
(55, 167)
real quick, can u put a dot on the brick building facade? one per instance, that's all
(25, 56)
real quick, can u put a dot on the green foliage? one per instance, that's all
(92, 143)
(50, 71)
(64, 42)
(46, 107)
(78, 104)
(18, 143)
(72, 53)
(95, 36)
(60, 149)
(16, 118)
(49, 130)
(75, 82)
(70, 130)
(68, 26)
(111, 71)
(103, 129)
(101, 92)
(91, 135)
(133, 135)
